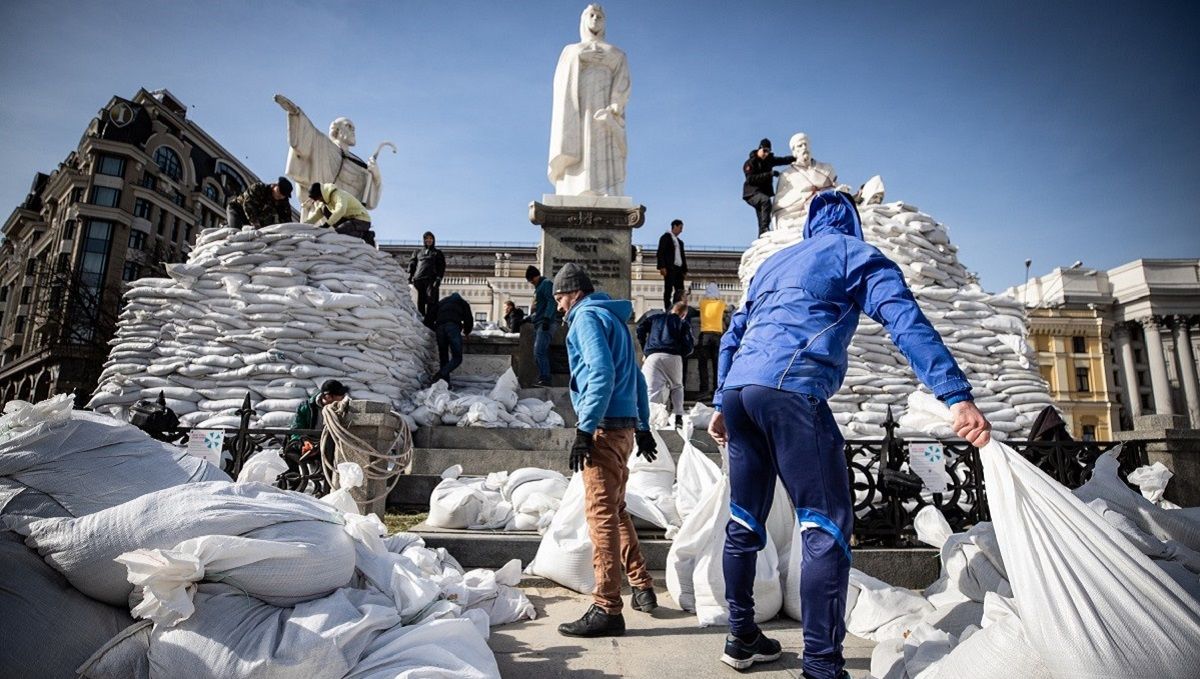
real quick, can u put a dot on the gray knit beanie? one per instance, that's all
(572, 277)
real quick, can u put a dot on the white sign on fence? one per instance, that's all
(928, 461)
(206, 444)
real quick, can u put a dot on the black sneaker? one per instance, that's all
(542, 383)
(644, 600)
(679, 421)
(741, 655)
(594, 623)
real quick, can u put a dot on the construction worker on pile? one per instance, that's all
(782, 357)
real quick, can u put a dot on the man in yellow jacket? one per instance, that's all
(341, 211)
(714, 318)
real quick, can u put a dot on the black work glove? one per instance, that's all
(646, 446)
(581, 450)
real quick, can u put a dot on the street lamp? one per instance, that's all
(1028, 263)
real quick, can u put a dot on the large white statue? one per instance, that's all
(314, 157)
(798, 184)
(587, 128)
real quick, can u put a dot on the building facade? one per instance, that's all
(142, 183)
(1118, 344)
(489, 274)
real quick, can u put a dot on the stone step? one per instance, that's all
(483, 439)
(912, 568)
(484, 364)
(433, 461)
(493, 549)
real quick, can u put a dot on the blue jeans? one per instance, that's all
(792, 436)
(450, 349)
(541, 348)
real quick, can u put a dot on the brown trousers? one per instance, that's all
(614, 540)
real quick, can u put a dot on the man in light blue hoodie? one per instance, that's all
(608, 393)
(782, 357)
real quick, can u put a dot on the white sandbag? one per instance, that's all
(455, 504)
(439, 649)
(233, 635)
(695, 474)
(931, 526)
(506, 389)
(349, 476)
(875, 610)
(649, 492)
(1134, 621)
(565, 552)
(262, 467)
(1001, 650)
(84, 549)
(66, 455)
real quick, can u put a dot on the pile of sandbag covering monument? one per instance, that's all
(496, 405)
(103, 525)
(986, 333)
(528, 499)
(275, 312)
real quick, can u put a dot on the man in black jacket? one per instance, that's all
(452, 319)
(672, 264)
(514, 316)
(425, 272)
(760, 181)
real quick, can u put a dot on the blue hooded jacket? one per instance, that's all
(607, 389)
(802, 309)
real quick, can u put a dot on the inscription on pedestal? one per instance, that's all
(599, 239)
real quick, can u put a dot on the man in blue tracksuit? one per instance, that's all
(782, 357)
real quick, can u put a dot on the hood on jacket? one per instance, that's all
(454, 296)
(833, 212)
(712, 291)
(623, 308)
(431, 237)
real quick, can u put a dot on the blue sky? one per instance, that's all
(1056, 132)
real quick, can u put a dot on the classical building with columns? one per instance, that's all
(487, 274)
(144, 180)
(1118, 344)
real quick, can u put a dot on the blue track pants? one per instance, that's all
(793, 436)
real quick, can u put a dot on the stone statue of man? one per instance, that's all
(317, 158)
(798, 184)
(587, 128)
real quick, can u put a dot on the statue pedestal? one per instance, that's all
(592, 231)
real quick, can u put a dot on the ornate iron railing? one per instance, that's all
(888, 495)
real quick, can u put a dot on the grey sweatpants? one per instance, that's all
(664, 375)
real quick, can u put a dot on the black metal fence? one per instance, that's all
(888, 494)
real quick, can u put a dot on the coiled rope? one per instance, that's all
(347, 447)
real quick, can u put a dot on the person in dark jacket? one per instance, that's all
(759, 188)
(666, 340)
(514, 316)
(452, 320)
(261, 205)
(425, 272)
(545, 322)
(672, 263)
(300, 453)
(784, 354)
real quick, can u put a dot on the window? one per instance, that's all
(69, 229)
(56, 295)
(177, 197)
(26, 294)
(1138, 358)
(149, 181)
(1081, 380)
(132, 272)
(137, 240)
(231, 181)
(162, 221)
(113, 166)
(1089, 432)
(64, 261)
(4, 294)
(1145, 398)
(168, 161)
(20, 325)
(187, 233)
(105, 196)
(212, 193)
(143, 208)
(175, 230)
(29, 264)
(1078, 345)
(77, 194)
(480, 316)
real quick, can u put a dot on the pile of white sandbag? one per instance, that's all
(231, 579)
(986, 333)
(499, 407)
(273, 312)
(525, 499)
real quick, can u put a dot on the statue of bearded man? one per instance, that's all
(317, 158)
(798, 184)
(587, 127)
